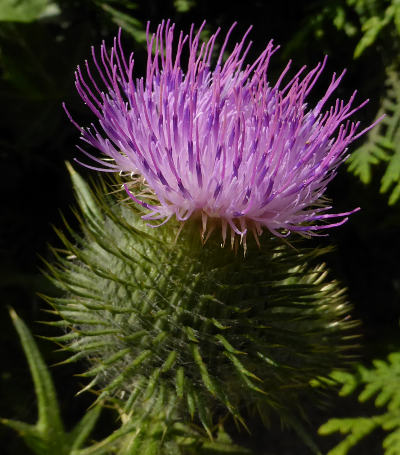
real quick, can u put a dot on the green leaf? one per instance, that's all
(208, 382)
(106, 444)
(180, 382)
(361, 160)
(339, 20)
(183, 6)
(31, 435)
(391, 443)
(126, 22)
(392, 175)
(372, 28)
(381, 382)
(48, 410)
(26, 10)
(349, 382)
(84, 427)
(47, 436)
(220, 448)
(356, 428)
(304, 434)
(383, 143)
(397, 15)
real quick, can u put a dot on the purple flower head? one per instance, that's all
(218, 141)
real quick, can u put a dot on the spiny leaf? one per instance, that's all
(84, 195)
(180, 382)
(31, 435)
(84, 427)
(208, 382)
(48, 410)
(204, 414)
(109, 442)
(47, 436)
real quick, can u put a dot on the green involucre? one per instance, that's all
(171, 323)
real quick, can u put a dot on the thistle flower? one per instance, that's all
(218, 142)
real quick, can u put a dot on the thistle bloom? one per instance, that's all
(217, 141)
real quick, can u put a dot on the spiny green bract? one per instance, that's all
(167, 323)
(159, 434)
(381, 382)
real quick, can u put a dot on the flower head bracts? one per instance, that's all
(220, 141)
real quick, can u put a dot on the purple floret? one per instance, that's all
(218, 141)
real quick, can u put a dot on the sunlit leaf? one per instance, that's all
(26, 10)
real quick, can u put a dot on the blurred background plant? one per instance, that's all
(42, 41)
(373, 28)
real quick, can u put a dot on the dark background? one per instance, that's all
(37, 61)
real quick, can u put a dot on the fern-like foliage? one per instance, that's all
(383, 143)
(170, 325)
(382, 383)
